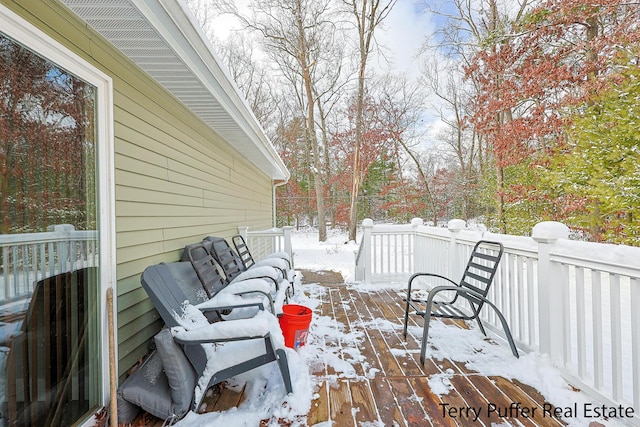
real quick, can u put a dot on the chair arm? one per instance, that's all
(259, 272)
(456, 288)
(416, 275)
(247, 285)
(231, 330)
(233, 301)
(250, 286)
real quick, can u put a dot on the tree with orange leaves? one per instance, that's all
(560, 56)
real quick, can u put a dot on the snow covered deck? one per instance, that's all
(366, 374)
(389, 387)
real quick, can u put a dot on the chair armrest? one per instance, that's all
(231, 330)
(261, 271)
(238, 286)
(459, 290)
(213, 305)
(456, 288)
(234, 292)
(416, 275)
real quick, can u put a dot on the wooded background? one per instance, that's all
(537, 105)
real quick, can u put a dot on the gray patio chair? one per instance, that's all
(163, 385)
(238, 354)
(45, 381)
(463, 300)
(280, 260)
(233, 268)
(215, 285)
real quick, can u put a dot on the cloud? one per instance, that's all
(402, 35)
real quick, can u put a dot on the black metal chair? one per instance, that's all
(465, 299)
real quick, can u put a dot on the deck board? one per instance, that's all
(389, 386)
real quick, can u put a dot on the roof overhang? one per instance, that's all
(164, 39)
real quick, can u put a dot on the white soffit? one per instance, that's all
(163, 38)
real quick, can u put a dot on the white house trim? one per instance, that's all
(22, 31)
(165, 40)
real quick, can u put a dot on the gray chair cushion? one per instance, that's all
(149, 389)
(127, 411)
(180, 374)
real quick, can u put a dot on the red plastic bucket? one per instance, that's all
(294, 322)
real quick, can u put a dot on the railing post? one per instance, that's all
(454, 226)
(65, 257)
(367, 226)
(551, 293)
(416, 248)
(243, 231)
(287, 229)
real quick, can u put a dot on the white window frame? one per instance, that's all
(25, 33)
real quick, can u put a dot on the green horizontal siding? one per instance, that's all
(176, 181)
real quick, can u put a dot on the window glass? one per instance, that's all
(49, 299)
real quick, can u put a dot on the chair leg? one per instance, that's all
(284, 369)
(406, 319)
(425, 335)
(481, 325)
(507, 332)
(505, 328)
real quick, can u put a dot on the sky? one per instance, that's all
(265, 394)
(400, 37)
(403, 32)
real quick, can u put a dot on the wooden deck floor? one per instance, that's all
(391, 388)
(398, 394)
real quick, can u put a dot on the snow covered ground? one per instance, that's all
(265, 393)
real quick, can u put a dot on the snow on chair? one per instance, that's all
(215, 351)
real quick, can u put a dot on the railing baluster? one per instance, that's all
(596, 307)
(6, 273)
(532, 311)
(522, 319)
(580, 322)
(616, 336)
(566, 313)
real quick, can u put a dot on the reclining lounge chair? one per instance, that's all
(233, 268)
(216, 286)
(248, 344)
(280, 260)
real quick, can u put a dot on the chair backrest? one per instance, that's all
(226, 257)
(243, 251)
(204, 265)
(169, 287)
(480, 270)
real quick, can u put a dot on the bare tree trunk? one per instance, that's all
(368, 16)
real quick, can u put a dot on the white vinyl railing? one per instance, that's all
(576, 301)
(265, 242)
(30, 257)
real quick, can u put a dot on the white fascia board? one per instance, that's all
(173, 20)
